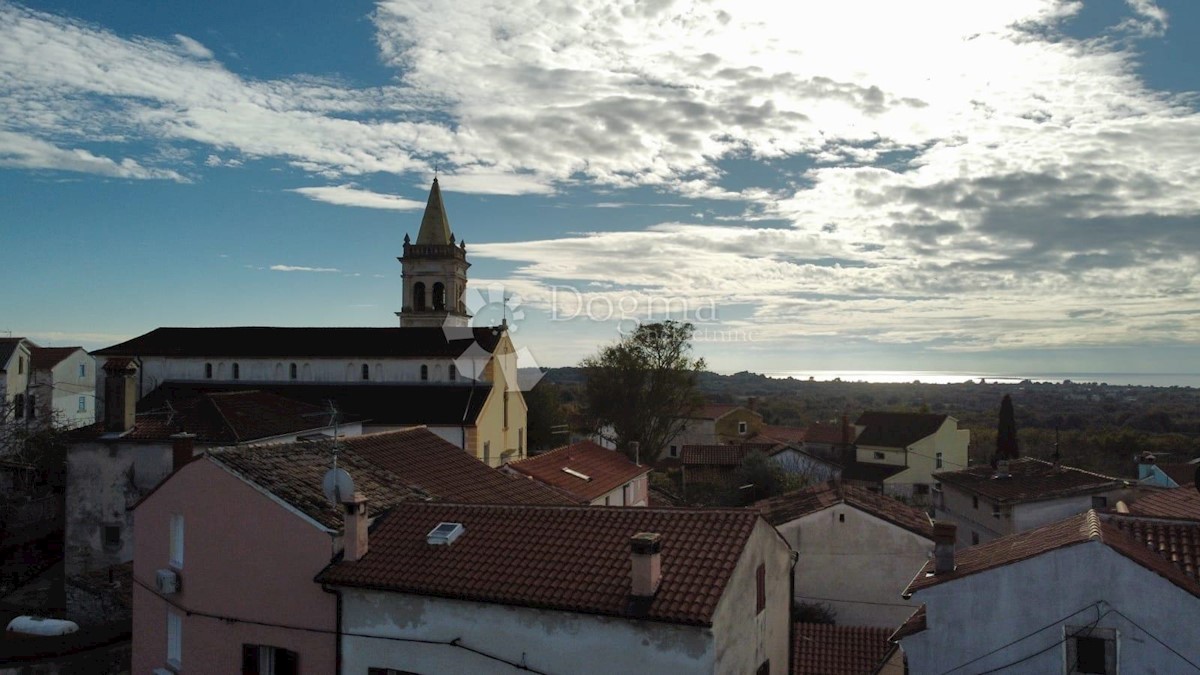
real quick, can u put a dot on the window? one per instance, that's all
(83, 370)
(208, 371)
(453, 373)
(841, 517)
(505, 408)
(1099, 502)
(20, 364)
(974, 538)
(291, 371)
(1091, 650)
(939, 460)
(111, 537)
(626, 499)
(237, 371)
(264, 660)
(366, 372)
(606, 501)
(920, 489)
(176, 542)
(975, 502)
(521, 440)
(424, 373)
(82, 404)
(419, 296)
(174, 639)
(880, 455)
(673, 451)
(439, 296)
(487, 452)
(741, 427)
(761, 579)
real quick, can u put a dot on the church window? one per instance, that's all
(419, 296)
(506, 409)
(439, 296)
(366, 372)
(424, 373)
(292, 371)
(453, 372)
(208, 371)
(237, 371)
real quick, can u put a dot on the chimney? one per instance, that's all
(120, 395)
(354, 536)
(944, 536)
(647, 563)
(752, 402)
(183, 448)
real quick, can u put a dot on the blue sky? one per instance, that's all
(952, 185)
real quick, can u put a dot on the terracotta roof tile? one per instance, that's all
(826, 649)
(783, 434)
(1169, 503)
(790, 506)
(270, 342)
(1029, 480)
(724, 455)
(425, 461)
(713, 411)
(896, 429)
(1184, 474)
(606, 470)
(831, 434)
(1169, 551)
(44, 358)
(911, 626)
(571, 558)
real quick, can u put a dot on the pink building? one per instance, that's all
(226, 549)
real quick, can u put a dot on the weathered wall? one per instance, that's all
(858, 559)
(727, 426)
(638, 494)
(246, 556)
(745, 637)
(1025, 596)
(59, 389)
(549, 641)
(694, 432)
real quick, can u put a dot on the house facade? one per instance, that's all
(64, 384)
(1019, 495)
(1088, 594)
(858, 550)
(908, 448)
(715, 424)
(612, 594)
(15, 371)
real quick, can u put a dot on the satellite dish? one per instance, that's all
(338, 486)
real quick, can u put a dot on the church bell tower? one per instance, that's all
(434, 271)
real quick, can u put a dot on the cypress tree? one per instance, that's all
(1006, 432)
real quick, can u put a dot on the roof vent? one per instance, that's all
(445, 533)
(575, 473)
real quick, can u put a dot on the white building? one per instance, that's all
(44, 385)
(858, 549)
(1019, 495)
(15, 371)
(580, 590)
(1089, 594)
(901, 451)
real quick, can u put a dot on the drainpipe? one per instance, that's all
(795, 555)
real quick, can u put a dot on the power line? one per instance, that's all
(1169, 647)
(456, 642)
(859, 602)
(1052, 646)
(1027, 635)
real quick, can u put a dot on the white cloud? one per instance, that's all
(299, 268)
(26, 152)
(348, 195)
(193, 48)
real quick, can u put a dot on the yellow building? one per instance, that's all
(901, 451)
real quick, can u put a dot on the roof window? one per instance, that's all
(577, 474)
(445, 533)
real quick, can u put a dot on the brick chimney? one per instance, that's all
(354, 536)
(944, 536)
(183, 448)
(120, 395)
(647, 563)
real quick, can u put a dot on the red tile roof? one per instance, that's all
(724, 455)
(826, 649)
(606, 470)
(1149, 547)
(713, 411)
(427, 462)
(44, 358)
(911, 626)
(896, 429)
(830, 434)
(1184, 474)
(1029, 480)
(220, 418)
(1169, 503)
(270, 342)
(798, 503)
(783, 434)
(570, 558)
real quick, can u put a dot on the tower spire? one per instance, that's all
(435, 227)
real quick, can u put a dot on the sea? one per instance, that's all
(942, 377)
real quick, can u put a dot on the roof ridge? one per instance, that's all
(1090, 526)
(1072, 468)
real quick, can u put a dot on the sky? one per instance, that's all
(955, 185)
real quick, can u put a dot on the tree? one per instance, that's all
(1006, 431)
(545, 412)
(644, 386)
(760, 478)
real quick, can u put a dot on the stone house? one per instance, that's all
(715, 424)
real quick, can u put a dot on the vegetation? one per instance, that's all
(643, 386)
(1006, 431)
(546, 414)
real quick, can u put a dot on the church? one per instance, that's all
(436, 369)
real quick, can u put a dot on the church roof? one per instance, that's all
(435, 226)
(299, 343)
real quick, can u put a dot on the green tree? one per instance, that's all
(1006, 431)
(760, 478)
(546, 412)
(643, 387)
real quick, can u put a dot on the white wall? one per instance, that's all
(59, 389)
(976, 614)
(694, 432)
(857, 558)
(546, 640)
(638, 494)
